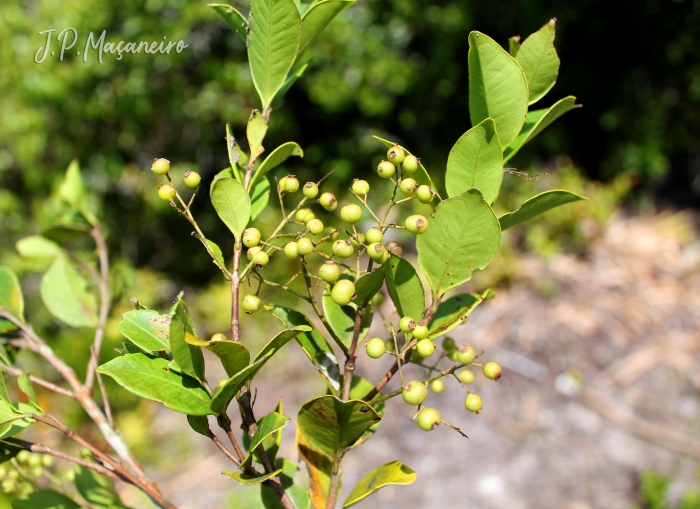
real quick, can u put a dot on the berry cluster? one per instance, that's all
(19, 475)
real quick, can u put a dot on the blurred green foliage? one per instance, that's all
(654, 494)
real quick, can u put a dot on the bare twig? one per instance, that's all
(105, 399)
(235, 288)
(351, 357)
(96, 233)
(11, 370)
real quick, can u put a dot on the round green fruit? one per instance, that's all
(375, 348)
(408, 186)
(251, 237)
(376, 251)
(410, 163)
(192, 179)
(437, 386)
(466, 376)
(351, 213)
(429, 419)
(310, 190)
(305, 247)
(374, 235)
(343, 292)
(357, 241)
(389, 344)
(473, 403)
(328, 201)
(160, 166)
(23, 456)
(34, 460)
(251, 252)
(385, 257)
(452, 355)
(466, 354)
(492, 370)
(291, 184)
(394, 247)
(342, 248)
(396, 154)
(407, 324)
(167, 192)
(448, 344)
(291, 250)
(378, 299)
(386, 169)
(218, 337)
(414, 392)
(425, 194)
(315, 226)
(46, 461)
(332, 233)
(421, 331)
(360, 187)
(261, 258)
(416, 224)
(329, 272)
(251, 303)
(425, 348)
(304, 215)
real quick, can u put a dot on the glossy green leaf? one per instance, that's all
(342, 320)
(150, 378)
(256, 130)
(233, 17)
(268, 425)
(96, 489)
(188, 357)
(404, 286)
(538, 205)
(25, 385)
(317, 18)
(420, 175)
(497, 87)
(298, 495)
(514, 45)
(539, 60)
(320, 469)
(11, 298)
(277, 157)
(234, 157)
(217, 252)
(200, 424)
(65, 295)
(391, 473)
(274, 40)
(39, 252)
(4, 395)
(233, 356)
(226, 172)
(476, 160)
(248, 479)
(226, 391)
(314, 345)
(463, 235)
(14, 419)
(259, 197)
(536, 121)
(368, 285)
(72, 191)
(45, 499)
(281, 339)
(146, 329)
(291, 79)
(270, 444)
(331, 425)
(232, 203)
(359, 388)
(455, 311)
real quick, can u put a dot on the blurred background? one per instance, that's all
(597, 315)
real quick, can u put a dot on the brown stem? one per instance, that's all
(334, 487)
(388, 375)
(105, 399)
(235, 287)
(314, 304)
(223, 449)
(104, 306)
(351, 357)
(39, 381)
(225, 424)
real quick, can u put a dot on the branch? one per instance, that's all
(403, 359)
(39, 381)
(351, 357)
(235, 289)
(104, 306)
(314, 304)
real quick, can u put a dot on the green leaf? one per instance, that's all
(150, 378)
(368, 285)
(233, 17)
(497, 87)
(226, 391)
(314, 345)
(538, 58)
(359, 388)
(25, 385)
(14, 419)
(226, 172)
(391, 473)
(331, 425)
(65, 294)
(514, 45)
(11, 298)
(233, 356)
(247, 479)
(281, 339)
(536, 121)
(188, 357)
(147, 329)
(234, 157)
(257, 128)
(455, 311)
(420, 175)
(232, 203)
(476, 160)
(538, 205)
(4, 395)
(463, 236)
(275, 33)
(39, 251)
(72, 191)
(298, 495)
(404, 286)
(45, 499)
(319, 468)
(269, 424)
(200, 424)
(342, 320)
(318, 17)
(259, 196)
(277, 157)
(96, 489)
(291, 78)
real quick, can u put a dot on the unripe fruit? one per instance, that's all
(437, 386)
(492, 370)
(425, 348)
(357, 242)
(251, 303)
(37, 471)
(46, 461)
(415, 357)
(408, 186)
(343, 292)
(160, 166)
(283, 180)
(218, 337)
(375, 348)
(466, 354)
(304, 215)
(414, 393)
(386, 169)
(448, 344)
(291, 250)
(389, 344)
(396, 154)
(407, 324)
(425, 194)
(261, 258)
(328, 201)
(416, 224)
(310, 190)
(342, 248)
(334, 233)
(192, 179)
(167, 192)
(394, 247)
(466, 376)
(374, 235)
(251, 237)
(429, 419)
(315, 226)
(291, 184)
(452, 355)
(305, 247)
(410, 163)
(376, 251)
(360, 187)
(351, 213)
(329, 272)
(421, 331)
(378, 299)
(473, 402)
(251, 252)
(34, 460)
(23, 456)
(385, 257)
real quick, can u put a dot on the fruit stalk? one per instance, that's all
(351, 358)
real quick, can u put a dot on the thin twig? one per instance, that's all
(351, 357)
(96, 233)
(39, 381)
(105, 399)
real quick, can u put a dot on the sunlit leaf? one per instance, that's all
(277, 157)
(404, 287)
(11, 298)
(72, 191)
(391, 473)
(188, 357)
(259, 197)
(248, 479)
(320, 469)
(233, 17)
(45, 499)
(317, 18)
(342, 320)
(96, 489)
(232, 204)
(455, 311)
(538, 205)
(147, 329)
(538, 58)
(268, 425)
(65, 295)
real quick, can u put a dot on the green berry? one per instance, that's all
(310, 190)
(466, 354)
(385, 257)
(410, 163)
(46, 461)
(192, 179)
(342, 248)
(394, 247)
(375, 348)
(408, 186)
(421, 331)
(219, 337)
(37, 471)
(414, 393)
(466, 376)
(425, 348)
(389, 344)
(332, 232)
(305, 247)
(13, 475)
(407, 324)
(492, 370)
(416, 224)
(437, 386)
(251, 252)
(328, 201)
(315, 226)
(360, 187)
(251, 303)
(357, 241)
(291, 250)
(386, 169)
(291, 184)
(378, 299)
(351, 213)
(251, 237)
(282, 181)
(167, 192)
(473, 403)
(374, 235)
(448, 344)
(23, 456)
(261, 258)
(329, 272)
(396, 154)
(452, 355)
(34, 460)
(376, 251)
(343, 292)
(425, 194)
(429, 419)
(160, 166)
(304, 215)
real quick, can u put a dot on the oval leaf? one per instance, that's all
(320, 470)
(455, 311)
(226, 392)
(96, 489)
(269, 424)
(233, 17)
(317, 18)
(64, 292)
(259, 197)
(233, 356)
(72, 191)
(232, 203)
(540, 62)
(187, 356)
(11, 298)
(277, 157)
(146, 329)
(404, 287)
(538, 205)
(368, 285)
(45, 499)
(391, 473)
(295, 75)
(421, 175)
(247, 479)
(39, 251)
